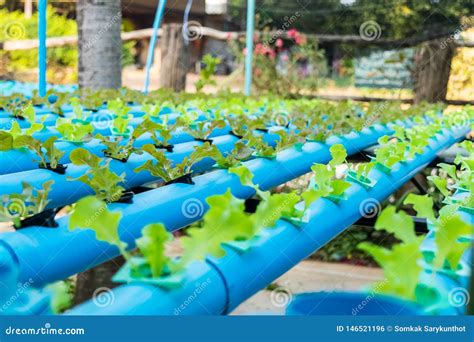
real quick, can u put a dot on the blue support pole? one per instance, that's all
(42, 47)
(249, 45)
(186, 20)
(151, 49)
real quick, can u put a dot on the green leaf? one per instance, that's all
(29, 202)
(92, 213)
(225, 221)
(338, 153)
(441, 184)
(450, 169)
(339, 187)
(152, 246)
(52, 153)
(74, 132)
(105, 183)
(29, 113)
(6, 141)
(81, 156)
(61, 296)
(448, 229)
(423, 206)
(271, 210)
(400, 265)
(400, 224)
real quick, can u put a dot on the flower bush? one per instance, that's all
(285, 64)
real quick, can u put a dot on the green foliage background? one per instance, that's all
(15, 26)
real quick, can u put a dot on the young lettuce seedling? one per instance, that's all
(47, 152)
(31, 201)
(163, 168)
(105, 183)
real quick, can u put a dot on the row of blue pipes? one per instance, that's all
(26, 254)
(217, 286)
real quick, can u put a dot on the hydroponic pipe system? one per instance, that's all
(228, 281)
(28, 252)
(19, 160)
(67, 190)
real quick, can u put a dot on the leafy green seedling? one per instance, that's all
(105, 183)
(152, 246)
(210, 64)
(163, 168)
(47, 152)
(74, 132)
(92, 213)
(29, 202)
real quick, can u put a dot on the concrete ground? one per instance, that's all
(308, 276)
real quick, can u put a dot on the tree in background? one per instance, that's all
(100, 46)
(404, 20)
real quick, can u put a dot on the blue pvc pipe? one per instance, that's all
(151, 49)
(280, 248)
(295, 244)
(65, 191)
(20, 160)
(42, 47)
(171, 205)
(344, 303)
(249, 45)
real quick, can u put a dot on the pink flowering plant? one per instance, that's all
(288, 63)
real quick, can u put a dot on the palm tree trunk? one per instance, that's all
(100, 47)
